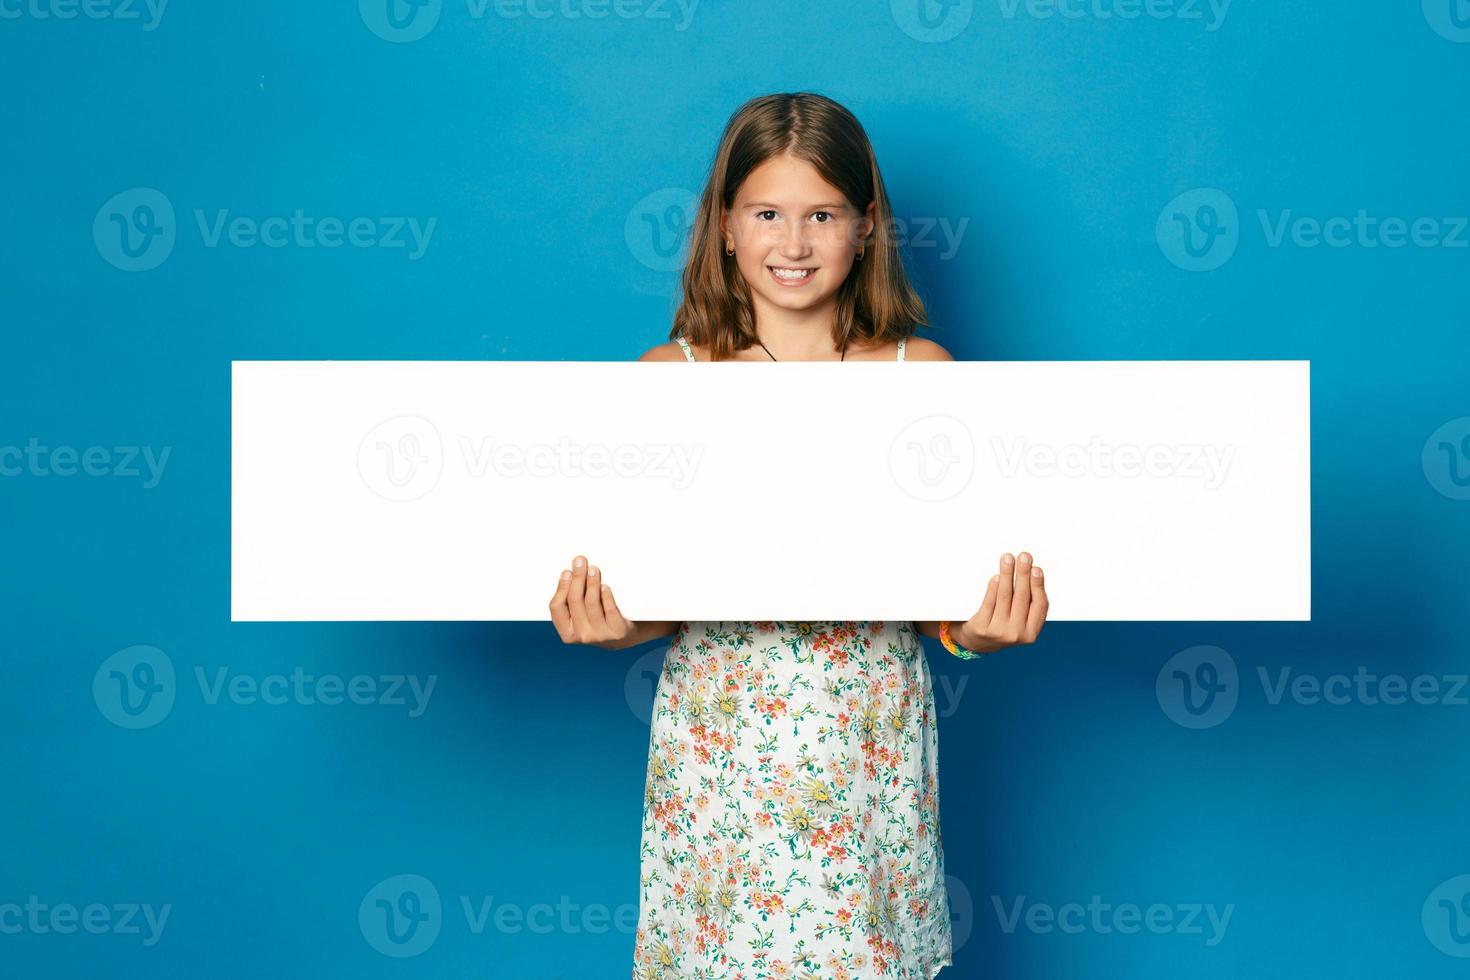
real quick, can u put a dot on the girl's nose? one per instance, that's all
(793, 243)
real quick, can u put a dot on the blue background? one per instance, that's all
(1059, 142)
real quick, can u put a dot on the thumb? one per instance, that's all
(612, 613)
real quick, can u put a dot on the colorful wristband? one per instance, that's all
(951, 646)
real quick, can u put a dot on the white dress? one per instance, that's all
(791, 806)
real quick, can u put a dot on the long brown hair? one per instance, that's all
(875, 303)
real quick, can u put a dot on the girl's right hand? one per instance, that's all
(585, 611)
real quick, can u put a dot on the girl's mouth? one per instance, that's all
(791, 276)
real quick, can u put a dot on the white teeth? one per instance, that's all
(791, 273)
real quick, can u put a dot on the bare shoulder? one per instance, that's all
(919, 349)
(670, 351)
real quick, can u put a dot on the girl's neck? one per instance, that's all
(797, 335)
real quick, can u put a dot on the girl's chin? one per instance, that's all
(793, 298)
(797, 302)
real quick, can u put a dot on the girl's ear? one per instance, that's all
(868, 223)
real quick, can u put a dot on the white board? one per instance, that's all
(422, 490)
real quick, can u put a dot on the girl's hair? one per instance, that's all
(875, 303)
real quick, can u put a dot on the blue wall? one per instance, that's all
(1076, 185)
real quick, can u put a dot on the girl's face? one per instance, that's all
(796, 236)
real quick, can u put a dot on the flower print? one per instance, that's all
(741, 763)
(799, 821)
(817, 794)
(770, 708)
(726, 709)
(664, 960)
(898, 724)
(698, 710)
(724, 905)
(702, 898)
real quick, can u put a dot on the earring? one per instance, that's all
(730, 248)
(862, 253)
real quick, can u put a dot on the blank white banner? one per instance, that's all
(423, 490)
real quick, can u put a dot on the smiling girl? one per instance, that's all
(791, 801)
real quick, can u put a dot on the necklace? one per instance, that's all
(773, 356)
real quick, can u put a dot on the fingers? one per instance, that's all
(1021, 599)
(976, 630)
(583, 608)
(1039, 604)
(592, 603)
(577, 598)
(1006, 593)
(561, 616)
(987, 606)
(1014, 606)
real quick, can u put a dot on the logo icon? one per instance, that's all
(401, 459)
(1446, 459)
(400, 21)
(932, 21)
(1446, 916)
(961, 912)
(1450, 19)
(933, 458)
(1198, 687)
(657, 228)
(1199, 230)
(640, 684)
(135, 230)
(401, 916)
(134, 688)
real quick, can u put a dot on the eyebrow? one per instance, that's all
(814, 207)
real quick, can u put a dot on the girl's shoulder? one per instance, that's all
(919, 349)
(670, 351)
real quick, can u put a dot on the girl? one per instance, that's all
(791, 803)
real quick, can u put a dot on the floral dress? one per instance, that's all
(791, 807)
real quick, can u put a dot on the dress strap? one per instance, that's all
(900, 348)
(688, 354)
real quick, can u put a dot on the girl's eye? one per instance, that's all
(827, 214)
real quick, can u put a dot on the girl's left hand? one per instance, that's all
(1013, 612)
